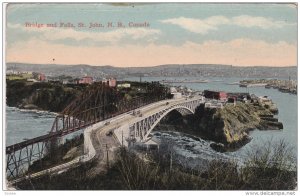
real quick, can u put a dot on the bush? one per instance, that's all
(136, 174)
(221, 175)
(271, 167)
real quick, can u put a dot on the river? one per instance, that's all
(25, 124)
(21, 124)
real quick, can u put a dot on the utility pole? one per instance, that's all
(171, 162)
(122, 138)
(107, 161)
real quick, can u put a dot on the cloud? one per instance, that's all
(243, 52)
(197, 25)
(203, 26)
(53, 34)
(260, 22)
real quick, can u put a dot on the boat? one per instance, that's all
(284, 90)
(233, 83)
(268, 86)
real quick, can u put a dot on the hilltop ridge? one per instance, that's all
(169, 70)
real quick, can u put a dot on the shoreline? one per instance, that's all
(283, 86)
(15, 108)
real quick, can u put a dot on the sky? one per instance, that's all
(134, 35)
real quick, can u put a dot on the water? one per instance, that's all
(193, 152)
(22, 124)
(26, 124)
(286, 103)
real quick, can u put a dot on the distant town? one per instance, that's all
(282, 78)
(171, 70)
(41, 77)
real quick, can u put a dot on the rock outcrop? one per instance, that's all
(41, 95)
(231, 124)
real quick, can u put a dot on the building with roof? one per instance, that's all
(86, 80)
(219, 95)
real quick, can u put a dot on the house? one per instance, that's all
(38, 76)
(31, 80)
(173, 90)
(238, 97)
(86, 80)
(41, 77)
(219, 95)
(264, 99)
(112, 82)
(124, 85)
(177, 95)
(104, 81)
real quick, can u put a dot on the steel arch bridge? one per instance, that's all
(140, 129)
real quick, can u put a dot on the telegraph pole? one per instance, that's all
(122, 138)
(171, 162)
(107, 162)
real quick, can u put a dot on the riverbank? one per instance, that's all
(55, 96)
(45, 96)
(285, 86)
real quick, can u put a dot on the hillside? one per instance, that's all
(172, 70)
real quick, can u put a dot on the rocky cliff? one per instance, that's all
(44, 96)
(228, 127)
(231, 124)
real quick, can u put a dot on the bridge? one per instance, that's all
(139, 128)
(106, 111)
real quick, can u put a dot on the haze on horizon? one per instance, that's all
(232, 34)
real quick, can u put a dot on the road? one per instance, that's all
(105, 145)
